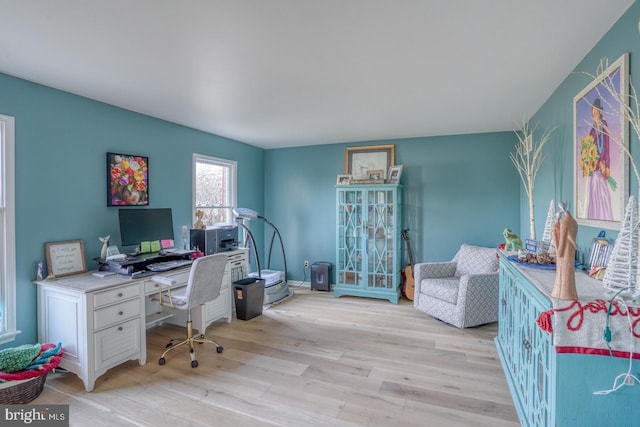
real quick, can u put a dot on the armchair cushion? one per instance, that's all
(475, 260)
(445, 289)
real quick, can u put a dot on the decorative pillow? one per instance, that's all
(475, 260)
(17, 358)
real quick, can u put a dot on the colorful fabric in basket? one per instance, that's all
(48, 359)
(17, 358)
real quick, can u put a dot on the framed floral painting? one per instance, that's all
(601, 138)
(127, 180)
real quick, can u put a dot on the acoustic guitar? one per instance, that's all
(408, 284)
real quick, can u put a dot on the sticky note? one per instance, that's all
(167, 243)
(145, 247)
(155, 246)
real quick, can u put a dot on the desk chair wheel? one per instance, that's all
(161, 361)
(194, 363)
(219, 349)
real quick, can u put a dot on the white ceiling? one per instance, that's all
(282, 73)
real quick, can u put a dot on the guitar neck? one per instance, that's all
(405, 236)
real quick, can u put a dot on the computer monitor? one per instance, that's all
(145, 225)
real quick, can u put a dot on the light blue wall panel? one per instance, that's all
(61, 146)
(555, 180)
(456, 189)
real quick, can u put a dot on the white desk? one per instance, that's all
(101, 322)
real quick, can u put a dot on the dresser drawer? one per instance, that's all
(115, 313)
(117, 344)
(111, 296)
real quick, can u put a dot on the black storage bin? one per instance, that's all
(249, 296)
(321, 276)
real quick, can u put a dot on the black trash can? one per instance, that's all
(249, 296)
(321, 276)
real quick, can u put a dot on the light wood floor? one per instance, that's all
(314, 360)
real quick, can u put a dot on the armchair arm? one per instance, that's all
(434, 270)
(430, 270)
(480, 290)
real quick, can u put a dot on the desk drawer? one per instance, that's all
(111, 296)
(181, 279)
(115, 313)
(118, 344)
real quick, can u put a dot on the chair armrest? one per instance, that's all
(434, 270)
(474, 286)
(165, 284)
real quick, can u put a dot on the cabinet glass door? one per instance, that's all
(380, 232)
(350, 237)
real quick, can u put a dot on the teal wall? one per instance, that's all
(555, 180)
(456, 189)
(61, 146)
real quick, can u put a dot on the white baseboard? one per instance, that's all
(299, 284)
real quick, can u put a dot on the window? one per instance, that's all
(214, 189)
(7, 231)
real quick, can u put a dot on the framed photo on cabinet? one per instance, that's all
(358, 161)
(343, 180)
(395, 172)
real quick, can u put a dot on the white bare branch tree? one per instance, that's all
(527, 159)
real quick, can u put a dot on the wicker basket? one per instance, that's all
(21, 392)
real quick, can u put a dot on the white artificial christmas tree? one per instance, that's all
(622, 267)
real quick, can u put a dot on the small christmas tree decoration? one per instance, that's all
(622, 267)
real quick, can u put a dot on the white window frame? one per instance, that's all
(8, 329)
(232, 189)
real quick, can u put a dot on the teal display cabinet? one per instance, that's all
(550, 388)
(368, 241)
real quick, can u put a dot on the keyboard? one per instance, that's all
(169, 265)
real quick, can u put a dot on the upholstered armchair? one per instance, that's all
(462, 292)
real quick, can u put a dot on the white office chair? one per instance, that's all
(205, 280)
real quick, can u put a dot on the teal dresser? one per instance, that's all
(553, 377)
(368, 241)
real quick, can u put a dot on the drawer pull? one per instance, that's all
(120, 294)
(504, 302)
(120, 313)
(526, 344)
(120, 328)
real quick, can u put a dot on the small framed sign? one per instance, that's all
(65, 258)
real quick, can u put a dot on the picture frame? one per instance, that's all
(600, 165)
(395, 172)
(343, 180)
(358, 161)
(376, 176)
(127, 180)
(65, 258)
